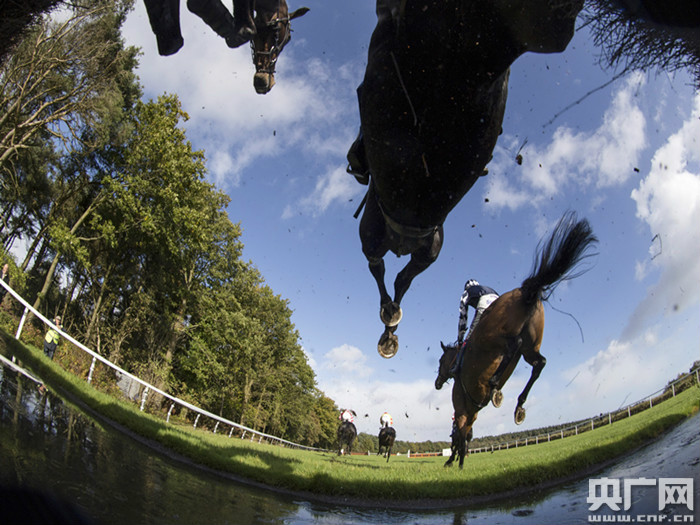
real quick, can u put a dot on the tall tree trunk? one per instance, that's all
(54, 263)
(247, 387)
(178, 328)
(97, 306)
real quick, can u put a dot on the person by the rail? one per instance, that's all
(52, 338)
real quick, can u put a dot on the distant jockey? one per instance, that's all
(347, 415)
(478, 297)
(385, 420)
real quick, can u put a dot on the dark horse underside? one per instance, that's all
(346, 435)
(386, 438)
(431, 106)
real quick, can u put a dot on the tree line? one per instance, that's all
(124, 237)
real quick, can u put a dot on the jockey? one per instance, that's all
(478, 297)
(385, 420)
(347, 415)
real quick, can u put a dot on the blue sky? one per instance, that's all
(626, 157)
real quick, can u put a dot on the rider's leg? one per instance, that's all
(164, 16)
(358, 165)
(357, 160)
(215, 15)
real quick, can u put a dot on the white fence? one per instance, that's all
(599, 421)
(246, 432)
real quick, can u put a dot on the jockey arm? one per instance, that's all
(463, 317)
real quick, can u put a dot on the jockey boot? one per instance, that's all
(454, 371)
(357, 160)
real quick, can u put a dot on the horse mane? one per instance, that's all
(556, 260)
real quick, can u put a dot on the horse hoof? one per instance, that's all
(388, 345)
(519, 415)
(496, 397)
(391, 314)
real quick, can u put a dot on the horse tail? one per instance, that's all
(557, 258)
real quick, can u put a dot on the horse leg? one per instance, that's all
(164, 16)
(420, 260)
(216, 16)
(373, 236)
(389, 313)
(510, 359)
(465, 422)
(537, 366)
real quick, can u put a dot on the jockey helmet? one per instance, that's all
(470, 283)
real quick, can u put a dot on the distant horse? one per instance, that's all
(346, 435)
(431, 107)
(265, 23)
(512, 326)
(387, 435)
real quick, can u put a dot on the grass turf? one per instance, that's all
(371, 477)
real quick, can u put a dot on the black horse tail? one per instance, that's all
(556, 260)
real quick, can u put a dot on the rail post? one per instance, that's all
(92, 369)
(21, 322)
(143, 398)
(196, 420)
(170, 411)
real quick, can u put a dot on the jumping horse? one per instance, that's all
(346, 435)
(387, 435)
(431, 107)
(512, 326)
(265, 23)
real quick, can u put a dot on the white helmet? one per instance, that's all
(470, 283)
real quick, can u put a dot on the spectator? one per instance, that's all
(52, 337)
(4, 275)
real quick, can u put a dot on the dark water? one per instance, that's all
(109, 478)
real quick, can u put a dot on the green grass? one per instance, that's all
(370, 477)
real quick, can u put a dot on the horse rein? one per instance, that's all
(464, 388)
(274, 24)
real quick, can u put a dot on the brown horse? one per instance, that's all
(512, 326)
(265, 23)
(431, 107)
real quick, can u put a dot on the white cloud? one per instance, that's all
(601, 158)
(347, 359)
(621, 374)
(215, 85)
(668, 201)
(335, 186)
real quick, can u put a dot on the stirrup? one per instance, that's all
(361, 176)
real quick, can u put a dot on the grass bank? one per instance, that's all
(370, 477)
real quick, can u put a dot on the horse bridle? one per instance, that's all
(274, 24)
(476, 403)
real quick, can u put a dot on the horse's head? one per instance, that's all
(273, 32)
(447, 360)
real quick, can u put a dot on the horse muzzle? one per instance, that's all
(263, 82)
(439, 381)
